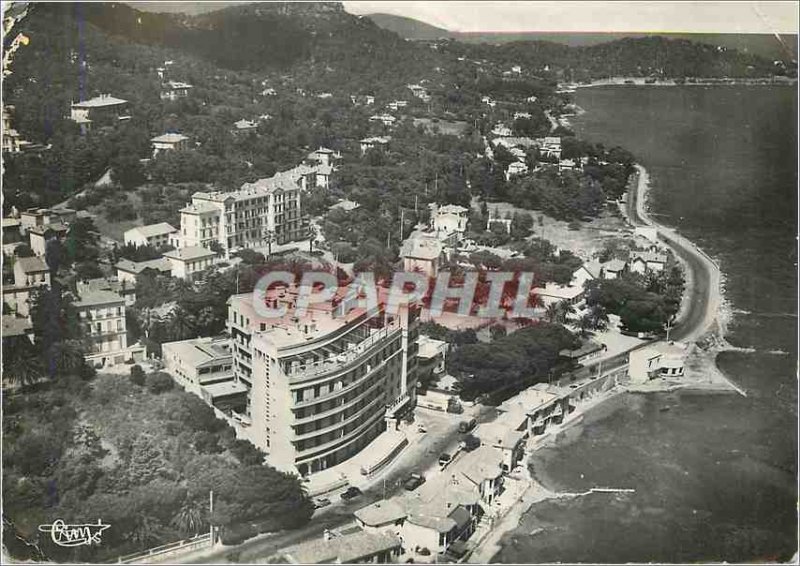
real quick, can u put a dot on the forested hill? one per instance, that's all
(635, 57)
(253, 36)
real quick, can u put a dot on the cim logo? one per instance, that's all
(63, 534)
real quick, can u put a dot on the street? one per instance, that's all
(421, 456)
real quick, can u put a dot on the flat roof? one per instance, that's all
(32, 264)
(96, 297)
(14, 326)
(199, 351)
(421, 246)
(588, 347)
(342, 549)
(430, 347)
(189, 253)
(225, 389)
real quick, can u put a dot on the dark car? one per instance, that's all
(413, 482)
(444, 459)
(351, 493)
(321, 502)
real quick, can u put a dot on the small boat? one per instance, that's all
(664, 409)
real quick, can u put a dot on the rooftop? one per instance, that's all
(430, 347)
(136, 267)
(151, 230)
(376, 139)
(169, 138)
(558, 291)
(32, 264)
(225, 389)
(176, 85)
(481, 464)
(14, 326)
(200, 351)
(343, 549)
(97, 297)
(381, 512)
(189, 253)
(421, 246)
(346, 205)
(649, 257)
(588, 347)
(99, 102)
(614, 265)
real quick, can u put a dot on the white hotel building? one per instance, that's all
(322, 388)
(250, 216)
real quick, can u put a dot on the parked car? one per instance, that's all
(351, 493)
(444, 459)
(466, 426)
(413, 482)
(321, 502)
(421, 428)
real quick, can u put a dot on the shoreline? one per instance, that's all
(701, 362)
(641, 81)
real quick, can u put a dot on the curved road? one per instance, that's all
(704, 298)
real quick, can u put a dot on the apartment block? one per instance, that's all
(322, 388)
(268, 209)
(102, 313)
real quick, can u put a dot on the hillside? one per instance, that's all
(409, 28)
(762, 45)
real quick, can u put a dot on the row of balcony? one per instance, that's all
(300, 373)
(317, 451)
(339, 408)
(344, 390)
(354, 417)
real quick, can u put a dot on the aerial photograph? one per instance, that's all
(399, 282)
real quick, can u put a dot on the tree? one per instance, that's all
(159, 382)
(127, 171)
(137, 375)
(192, 517)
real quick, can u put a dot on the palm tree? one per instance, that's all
(67, 355)
(599, 318)
(21, 368)
(191, 518)
(552, 312)
(564, 310)
(582, 324)
(181, 323)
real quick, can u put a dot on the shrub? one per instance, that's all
(137, 375)
(159, 382)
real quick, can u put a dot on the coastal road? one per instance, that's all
(704, 295)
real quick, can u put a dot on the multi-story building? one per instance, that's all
(103, 109)
(322, 388)
(188, 262)
(173, 90)
(169, 142)
(103, 314)
(260, 212)
(123, 288)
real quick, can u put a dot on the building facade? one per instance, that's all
(323, 388)
(103, 315)
(260, 212)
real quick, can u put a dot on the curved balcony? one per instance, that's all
(345, 390)
(333, 445)
(358, 414)
(339, 408)
(345, 360)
